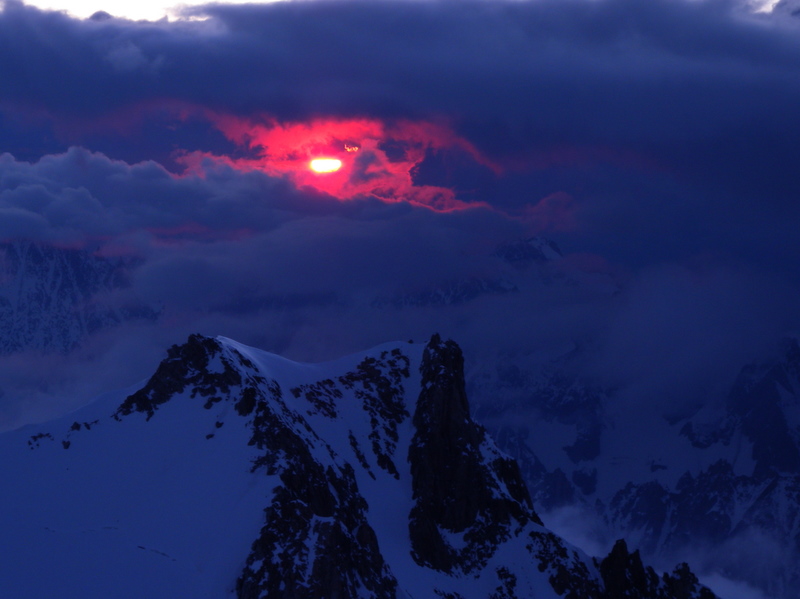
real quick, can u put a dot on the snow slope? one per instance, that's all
(235, 473)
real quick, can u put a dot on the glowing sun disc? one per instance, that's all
(325, 165)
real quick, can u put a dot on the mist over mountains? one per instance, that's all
(595, 198)
(675, 478)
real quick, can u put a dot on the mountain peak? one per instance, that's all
(626, 576)
(361, 478)
(186, 365)
(456, 490)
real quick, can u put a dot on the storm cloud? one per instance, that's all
(655, 142)
(671, 125)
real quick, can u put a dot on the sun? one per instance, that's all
(325, 165)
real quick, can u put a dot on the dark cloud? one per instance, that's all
(655, 141)
(672, 124)
(84, 197)
(617, 70)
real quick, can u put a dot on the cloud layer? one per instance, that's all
(671, 125)
(654, 141)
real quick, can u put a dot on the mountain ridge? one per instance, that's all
(720, 480)
(326, 459)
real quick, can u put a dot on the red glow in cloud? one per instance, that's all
(377, 159)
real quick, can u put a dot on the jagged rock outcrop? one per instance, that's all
(626, 576)
(720, 479)
(366, 478)
(455, 490)
(724, 505)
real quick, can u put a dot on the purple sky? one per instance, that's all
(656, 142)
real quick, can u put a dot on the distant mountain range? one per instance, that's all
(523, 255)
(721, 482)
(235, 473)
(49, 296)
(53, 298)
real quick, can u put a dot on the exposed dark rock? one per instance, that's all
(35, 440)
(731, 502)
(756, 403)
(645, 507)
(379, 385)
(322, 395)
(704, 511)
(453, 488)
(625, 575)
(317, 542)
(683, 584)
(569, 574)
(508, 585)
(362, 459)
(186, 366)
(247, 402)
(317, 512)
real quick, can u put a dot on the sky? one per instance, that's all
(153, 10)
(655, 142)
(149, 10)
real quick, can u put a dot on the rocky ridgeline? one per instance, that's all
(469, 508)
(456, 489)
(720, 504)
(721, 479)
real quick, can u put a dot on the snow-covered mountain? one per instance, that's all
(721, 481)
(234, 472)
(49, 296)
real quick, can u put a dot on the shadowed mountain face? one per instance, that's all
(49, 297)
(233, 472)
(721, 481)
